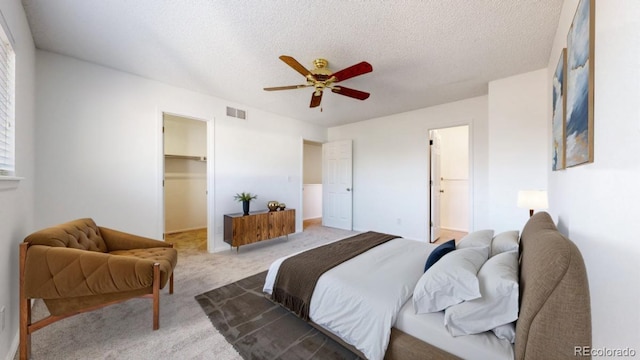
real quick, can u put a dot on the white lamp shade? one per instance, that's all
(533, 199)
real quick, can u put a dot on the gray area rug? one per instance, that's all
(260, 329)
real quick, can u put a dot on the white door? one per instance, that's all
(436, 187)
(337, 206)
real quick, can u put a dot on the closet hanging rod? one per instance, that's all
(186, 157)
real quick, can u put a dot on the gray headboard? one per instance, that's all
(555, 310)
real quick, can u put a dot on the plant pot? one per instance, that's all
(245, 207)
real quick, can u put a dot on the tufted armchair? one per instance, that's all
(78, 266)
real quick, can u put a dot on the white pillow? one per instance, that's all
(505, 241)
(475, 239)
(498, 305)
(450, 281)
(506, 332)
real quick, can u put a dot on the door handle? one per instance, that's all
(348, 189)
(442, 191)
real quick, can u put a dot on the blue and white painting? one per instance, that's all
(558, 120)
(578, 130)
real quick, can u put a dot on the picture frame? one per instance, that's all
(579, 128)
(558, 120)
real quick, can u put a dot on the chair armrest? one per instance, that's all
(118, 240)
(57, 272)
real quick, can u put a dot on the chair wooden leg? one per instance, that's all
(156, 296)
(171, 278)
(25, 337)
(25, 309)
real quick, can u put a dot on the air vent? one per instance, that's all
(236, 113)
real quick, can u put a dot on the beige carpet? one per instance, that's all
(123, 331)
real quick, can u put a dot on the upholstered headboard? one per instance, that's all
(555, 310)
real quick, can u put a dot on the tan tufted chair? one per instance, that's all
(78, 266)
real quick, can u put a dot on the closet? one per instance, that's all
(312, 180)
(185, 174)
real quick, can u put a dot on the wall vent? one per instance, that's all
(236, 113)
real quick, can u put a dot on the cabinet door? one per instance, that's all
(241, 231)
(282, 223)
(289, 221)
(261, 226)
(249, 229)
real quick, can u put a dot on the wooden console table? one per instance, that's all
(242, 229)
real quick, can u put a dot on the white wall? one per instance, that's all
(519, 145)
(17, 198)
(596, 204)
(391, 167)
(312, 196)
(183, 136)
(454, 161)
(99, 148)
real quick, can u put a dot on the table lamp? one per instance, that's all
(532, 199)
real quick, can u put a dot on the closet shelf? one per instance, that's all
(185, 157)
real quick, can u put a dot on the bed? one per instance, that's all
(365, 302)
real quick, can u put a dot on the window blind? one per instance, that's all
(7, 94)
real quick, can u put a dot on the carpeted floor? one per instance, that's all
(262, 330)
(124, 331)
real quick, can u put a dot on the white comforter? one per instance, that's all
(359, 300)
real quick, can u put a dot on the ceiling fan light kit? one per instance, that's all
(321, 77)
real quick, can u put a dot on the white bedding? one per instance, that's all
(430, 329)
(348, 300)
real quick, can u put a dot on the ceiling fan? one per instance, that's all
(322, 78)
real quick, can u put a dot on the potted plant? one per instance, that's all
(246, 199)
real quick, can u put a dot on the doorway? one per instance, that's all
(449, 200)
(185, 182)
(311, 184)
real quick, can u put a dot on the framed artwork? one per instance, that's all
(580, 93)
(558, 121)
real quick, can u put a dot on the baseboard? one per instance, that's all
(183, 230)
(454, 229)
(312, 218)
(13, 349)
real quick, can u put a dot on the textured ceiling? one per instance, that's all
(423, 52)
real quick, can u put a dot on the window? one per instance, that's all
(7, 104)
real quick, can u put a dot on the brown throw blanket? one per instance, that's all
(297, 275)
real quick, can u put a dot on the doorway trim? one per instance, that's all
(471, 158)
(211, 223)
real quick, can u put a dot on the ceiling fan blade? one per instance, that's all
(296, 65)
(356, 94)
(352, 71)
(316, 97)
(286, 87)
